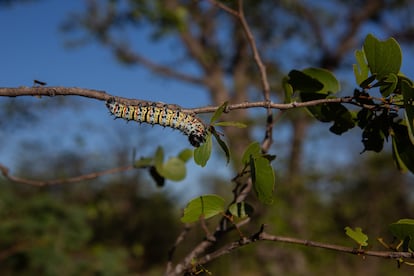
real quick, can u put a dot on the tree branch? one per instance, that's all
(103, 96)
(267, 141)
(171, 252)
(40, 183)
(132, 57)
(256, 55)
(263, 236)
(52, 91)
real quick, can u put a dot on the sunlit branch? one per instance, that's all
(52, 91)
(5, 172)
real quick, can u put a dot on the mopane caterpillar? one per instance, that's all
(153, 113)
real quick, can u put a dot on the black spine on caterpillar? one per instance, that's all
(153, 113)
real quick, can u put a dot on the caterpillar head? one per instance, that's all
(196, 139)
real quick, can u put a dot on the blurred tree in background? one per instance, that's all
(123, 225)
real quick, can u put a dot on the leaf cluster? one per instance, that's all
(173, 169)
(384, 98)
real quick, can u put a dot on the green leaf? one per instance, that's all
(185, 154)
(218, 113)
(372, 136)
(343, 120)
(233, 124)
(404, 230)
(357, 235)
(316, 111)
(330, 83)
(205, 207)
(143, 162)
(408, 94)
(335, 112)
(388, 85)
(332, 112)
(174, 169)
(403, 149)
(222, 144)
(263, 178)
(288, 89)
(203, 152)
(253, 150)
(383, 57)
(241, 209)
(399, 163)
(302, 82)
(361, 69)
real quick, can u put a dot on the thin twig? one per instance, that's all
(264, 104)
(225, 8)
(5, 172)
(263, 236)
(256, 55)
(171, 252)
(267, 141)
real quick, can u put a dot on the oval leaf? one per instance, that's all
(185, 155)
(388, 85)
(303, 82)
(263, 178)
(218, 113)
(205, 207)
(222, 144)
(174, 169)
(203, 152)
(403, 149)
(253, 150)
(383, 57)
(328, 80)
(361, 68)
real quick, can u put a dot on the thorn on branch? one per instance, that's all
(38, 82)
(256, 236)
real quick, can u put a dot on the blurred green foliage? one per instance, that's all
(123, 228)
(112, 230)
